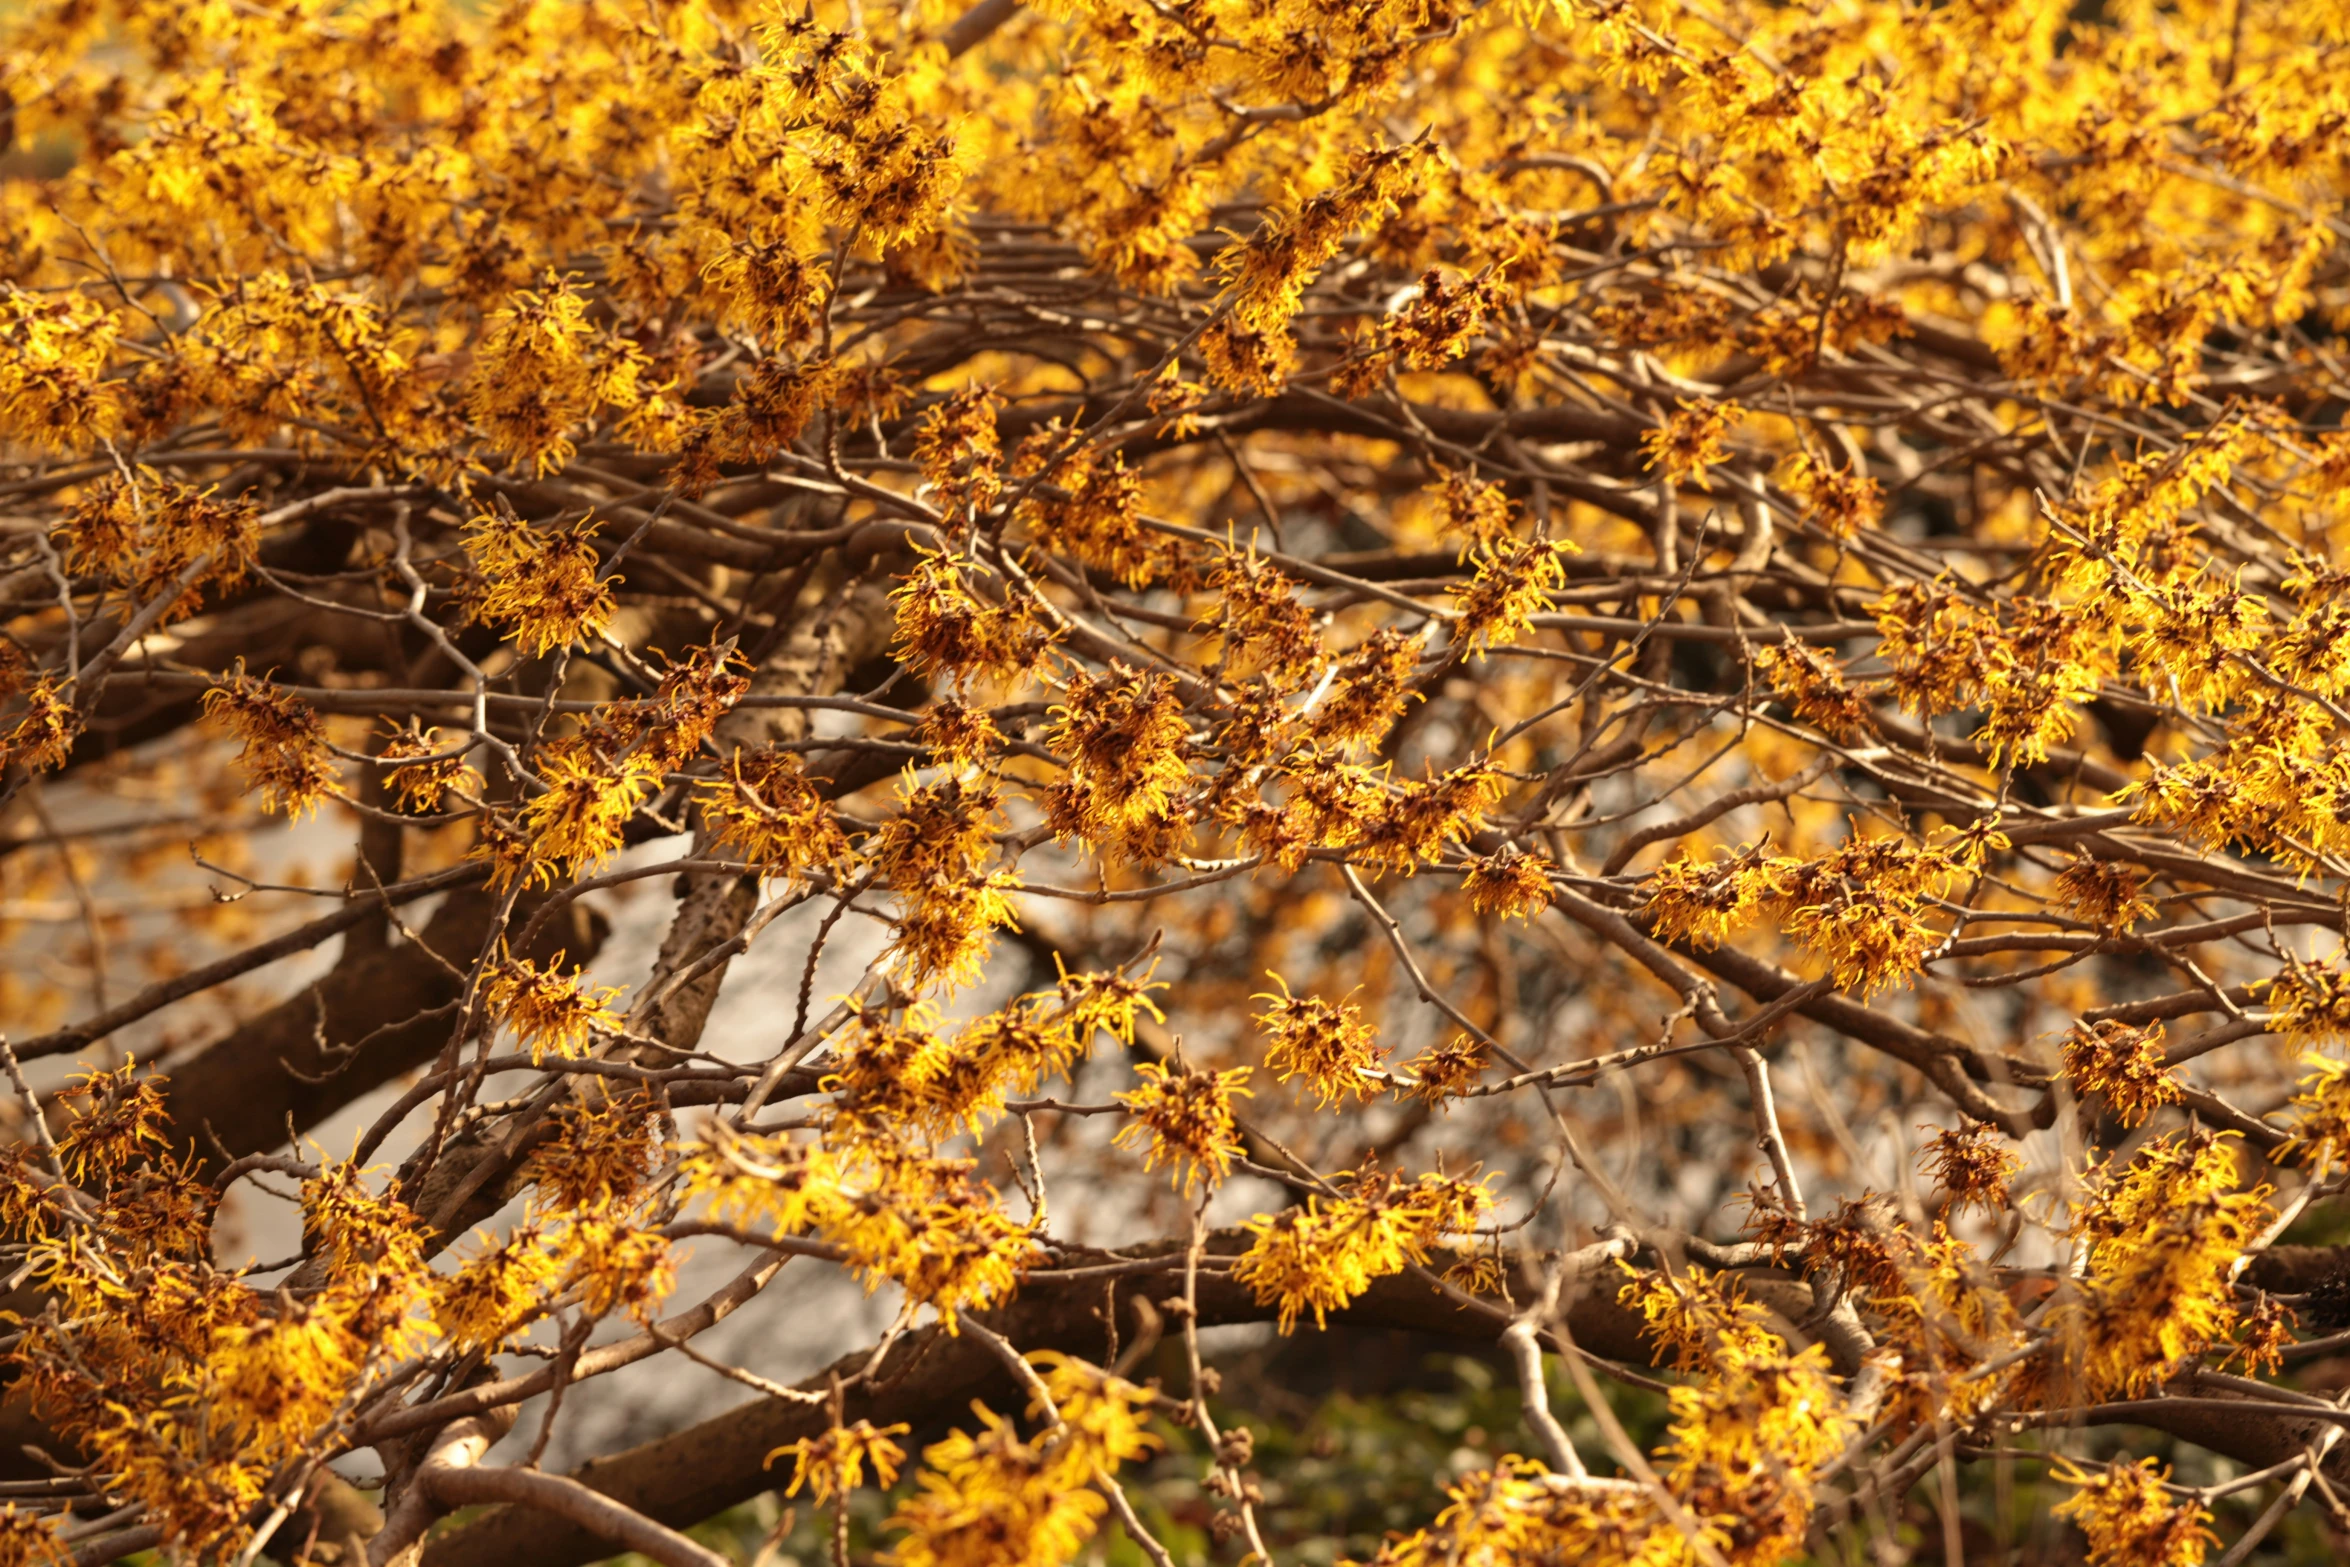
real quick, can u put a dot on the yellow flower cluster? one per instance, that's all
(1863, 908)
(2131, 1521)
(1124, 742)
(285, 753)
(1327, 1253)
(548, 1009)
(997, 1499)
(922, 1223)
(765, 808)
(1329, 1046)
(1735, 1470)
(543, 584)
(933, 854)
(2163, 1236)
(373, 308)
(2125, 1065)
(1182, 1118)
(190, 1390)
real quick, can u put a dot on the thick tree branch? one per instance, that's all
(686, 1477)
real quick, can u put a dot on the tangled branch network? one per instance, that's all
(1656, 687)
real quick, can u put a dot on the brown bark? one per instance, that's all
(690, 1475)
(693, 1474)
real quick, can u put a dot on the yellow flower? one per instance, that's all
(1186, 1117)
(2109, 893)
(26, 1540)
(281, 1378)
(53, 348)
(765, 808)
(927, 1226)
(1690, 441)
(1369, 689)
(2124, 1064)
(834, 1464)
(1327, 1253)
(1703, 1320)
(1514, 580)
(1510, 884)
(44, 732)
(960, 736)
(495, 1292)
(576, 822)
(1327, 1045)
(948, 625)
(616, 1266)
(2311, 1001)
(1448, 1070)
(1124, 742)
(1971, 1164)
(2321, 1119)
(1701, 901)
(1092, 509)
(2163, 1237)
(113, 1119)
(2130, 1520)
(549, 1009)
(932, 855)
(997, 1500)
(1419, 818)
(423, 773)
(541, 370)
(544, 584)
(285, 747)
